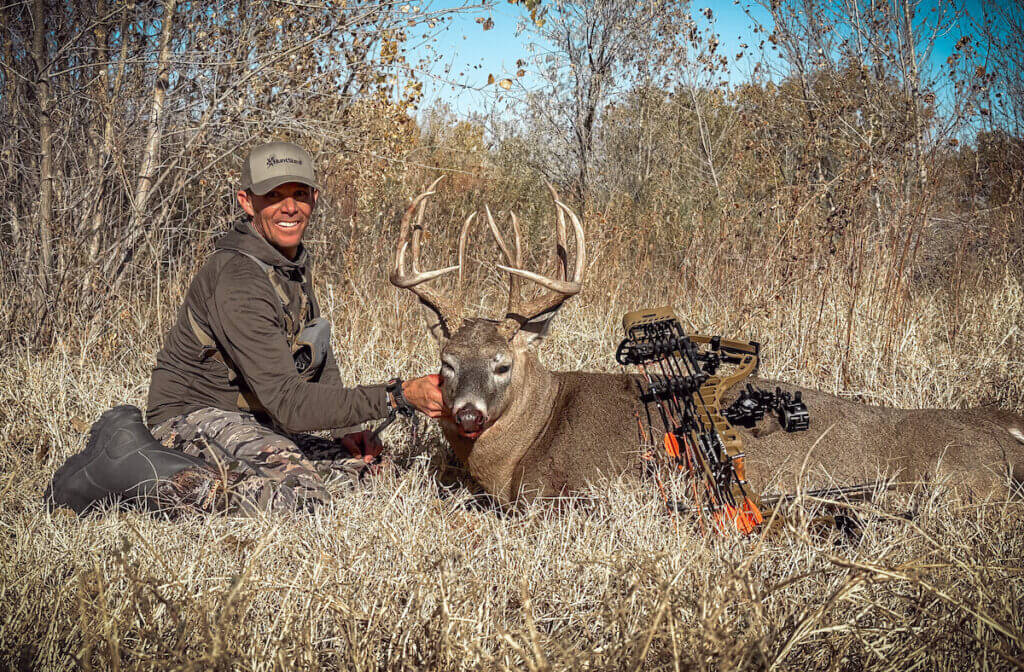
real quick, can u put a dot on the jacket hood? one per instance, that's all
(244, 237)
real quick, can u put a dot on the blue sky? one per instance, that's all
(469, 54)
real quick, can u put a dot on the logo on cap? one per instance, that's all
(272, 161)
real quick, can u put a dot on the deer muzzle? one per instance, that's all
(470, 421)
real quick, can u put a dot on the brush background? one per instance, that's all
(858, 216)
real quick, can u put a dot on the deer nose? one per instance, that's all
(469, 419)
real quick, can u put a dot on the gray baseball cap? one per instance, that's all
(272, 164)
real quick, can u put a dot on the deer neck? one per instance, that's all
(493, 457)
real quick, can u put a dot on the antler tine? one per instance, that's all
(417, 232)
(567, 287)
(558, 290)
(517, 259)
(449, 314)
(581, 251)
(518, 239)
(463, 237)
(562, 247)
(417, 229)
(514, 294)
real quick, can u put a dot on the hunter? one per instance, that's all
(245, 373)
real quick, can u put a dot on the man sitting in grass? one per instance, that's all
(246, 369)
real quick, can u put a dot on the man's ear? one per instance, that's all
(316, 195)
(245, 200)
(533, 333)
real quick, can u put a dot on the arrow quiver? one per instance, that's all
(680, 378)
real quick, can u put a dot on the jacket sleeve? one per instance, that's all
(245, 320)
(332, 376)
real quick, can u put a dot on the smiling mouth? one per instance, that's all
(288, 225)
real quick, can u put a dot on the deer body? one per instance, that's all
(524, 431)
(568, 432)
(556, 437)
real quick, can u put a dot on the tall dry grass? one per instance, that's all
(408, 573)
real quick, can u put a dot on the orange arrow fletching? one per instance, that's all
(672, 445)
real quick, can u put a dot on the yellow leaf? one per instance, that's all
(490, 79)
(505, 84)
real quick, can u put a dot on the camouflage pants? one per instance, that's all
(268, 470)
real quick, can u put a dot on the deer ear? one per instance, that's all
(533, 333)
(435, 324)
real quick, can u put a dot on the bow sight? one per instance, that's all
(680, 377)
(753, 403)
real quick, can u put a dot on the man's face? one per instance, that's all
(281, 214)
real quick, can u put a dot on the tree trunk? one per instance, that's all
(45, 215)
(12, 91)
(109, 96)
(96, 158)
(912, 82)
(147, 168)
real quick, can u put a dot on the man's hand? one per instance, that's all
(363, 445)
(424, 394)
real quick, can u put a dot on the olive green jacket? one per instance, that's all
(232, 300)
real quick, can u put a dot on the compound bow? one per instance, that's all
(680, 378)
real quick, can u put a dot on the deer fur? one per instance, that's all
(558, 432)
(525, 432)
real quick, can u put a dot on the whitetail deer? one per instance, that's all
(524, 431)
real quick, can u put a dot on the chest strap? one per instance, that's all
(247, 400)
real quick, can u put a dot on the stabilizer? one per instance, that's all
(121, 460)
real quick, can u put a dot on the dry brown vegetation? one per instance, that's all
(826, 211)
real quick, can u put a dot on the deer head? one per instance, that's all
(486, 363)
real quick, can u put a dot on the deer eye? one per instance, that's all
(502, 369)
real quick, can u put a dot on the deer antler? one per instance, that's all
(513, 281)
(448, 311)
(518, 313)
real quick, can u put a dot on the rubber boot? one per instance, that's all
(123, 462)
